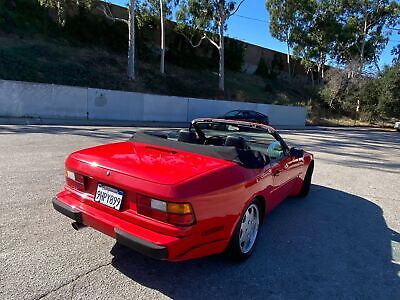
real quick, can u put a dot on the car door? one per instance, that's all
(262, 118)
(251, 117)
(275, 182)
(241, 116)
(232, 115)
(281, 181)
(284, 169)
(284, 173)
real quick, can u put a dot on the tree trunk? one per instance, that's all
(60, 12)
(288, 60)
(377, 65)
(131, 46)
(323, 71)
(363, 46)
(362, 59)
(312, 77)
(221, 53)
(162, 63)
(321, 65)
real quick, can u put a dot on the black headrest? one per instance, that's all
(236, 141)
(187, 136)
(253, 159)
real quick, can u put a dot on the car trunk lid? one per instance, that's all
(152, 163)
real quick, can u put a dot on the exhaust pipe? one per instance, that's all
(78, 226)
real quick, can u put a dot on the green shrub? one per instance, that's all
(389, 98)
(25, 18)
(90, 29)
(265, 71)
(269, 88)
(262, 68)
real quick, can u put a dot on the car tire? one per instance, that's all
(245, 236)
(305, 188)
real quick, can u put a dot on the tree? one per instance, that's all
(63, 6)
(162, 28)
(396, 53)
(284, 18)
(106, 9)
(363, 35)
(209, 17)
(163, 9)
(396, 50)
(389, 100)
(317, 33)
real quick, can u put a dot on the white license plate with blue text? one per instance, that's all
(109, 196)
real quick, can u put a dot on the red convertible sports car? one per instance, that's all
(202, 191)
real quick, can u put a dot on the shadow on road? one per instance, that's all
(357, 148)
(101, 132)
(330, 245)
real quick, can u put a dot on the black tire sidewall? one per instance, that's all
(234, 249)
(305, 189)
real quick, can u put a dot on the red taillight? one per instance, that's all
(173, 213)
(75, 180)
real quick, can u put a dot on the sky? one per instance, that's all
(250, 24)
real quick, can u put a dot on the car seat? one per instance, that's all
(236, 141)
(187, 136)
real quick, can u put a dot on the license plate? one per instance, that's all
(109, 196)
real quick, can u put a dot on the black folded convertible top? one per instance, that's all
(246, 158)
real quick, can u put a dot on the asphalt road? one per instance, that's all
(342, 241)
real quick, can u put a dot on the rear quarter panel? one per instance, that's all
(219, 197)
(307, 158)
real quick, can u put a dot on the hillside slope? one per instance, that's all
(38, 50)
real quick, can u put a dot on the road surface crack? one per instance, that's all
(73, 281)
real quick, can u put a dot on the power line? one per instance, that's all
(267, 22)
(251, 18)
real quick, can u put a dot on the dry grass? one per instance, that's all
(56, 61)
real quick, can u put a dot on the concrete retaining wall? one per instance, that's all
(22, 99)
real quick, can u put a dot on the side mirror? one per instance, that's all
(297, 153)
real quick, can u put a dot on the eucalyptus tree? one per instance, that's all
(163, 9)
(320, 32)
(284, 19)
(209, 18)
(364, 30)
(396, 50)
(63, 6)
(130, 22)
(396, 53)
(364, 34)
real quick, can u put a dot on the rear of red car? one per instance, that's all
(136, 193)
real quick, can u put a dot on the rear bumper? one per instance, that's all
(66, 210)
(147, 242)
(142, 246)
